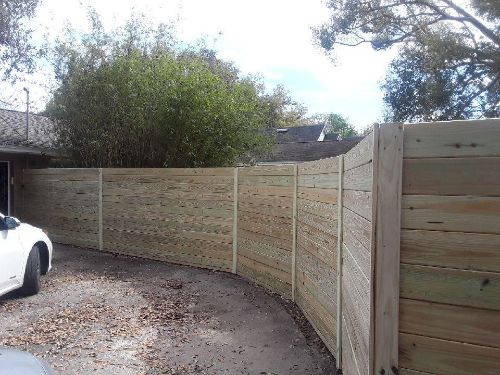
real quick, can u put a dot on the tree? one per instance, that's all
(281, 110)
(278, 106)
(335, 123)
(340, 125)
(449, 58)
(17, 52)
(130, 99)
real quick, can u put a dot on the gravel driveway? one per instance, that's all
(104, 314)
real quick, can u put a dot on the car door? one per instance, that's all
(11, 258)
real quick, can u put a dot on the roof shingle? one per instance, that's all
(13, 129)
(308, 151)
(308, 133)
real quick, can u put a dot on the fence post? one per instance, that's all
(23, 189)
(235, 220)
(387, 186)
(340, 240)
(101, 242)
(294, 228)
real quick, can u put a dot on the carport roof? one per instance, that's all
(13, 138)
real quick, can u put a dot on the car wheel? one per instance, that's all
(31, 284)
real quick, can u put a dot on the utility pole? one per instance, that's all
(27, 112)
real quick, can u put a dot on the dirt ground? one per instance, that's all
(104, 314)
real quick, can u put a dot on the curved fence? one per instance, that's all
(392, 251)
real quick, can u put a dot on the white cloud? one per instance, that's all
(269, 38)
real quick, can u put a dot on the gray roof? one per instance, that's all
(331, 137)
(13, 131)
(308, 133)
(307, 151)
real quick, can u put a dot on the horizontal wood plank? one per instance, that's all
(328, 165)
(349, 364)
(279, 191)
(360, 178)
(446, 357)
(267, 170)
(327, 211)
(318, 195)
(324, 181)
(266, 180)
(451, 286)
(168, 171)
(448, 322)
(452, 139)
(452, 176)
(359, 202)
(468, 251)
(406, 371)
(451, 213)
(360, 154)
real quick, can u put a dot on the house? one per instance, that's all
(310, 133)
(331, 137)
(291, 153)
(25, 142)
(305, 143)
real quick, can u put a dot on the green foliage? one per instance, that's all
(281, 110)
(131, 99)
(449, 61)
(340, 125)
(335, 123)
(17, 53)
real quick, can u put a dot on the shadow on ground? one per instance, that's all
(105, 314)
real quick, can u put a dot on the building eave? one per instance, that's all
(19, 149)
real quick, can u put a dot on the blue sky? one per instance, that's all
(270, 38)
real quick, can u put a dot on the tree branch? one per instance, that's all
(474, 21)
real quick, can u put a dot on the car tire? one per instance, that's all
(31, 284)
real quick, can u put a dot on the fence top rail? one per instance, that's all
(227, 171)
(321, 166)
(360, 154)
(463, 123)
(468, 138)
(58, 171)
(268, 170)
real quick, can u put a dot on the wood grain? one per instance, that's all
(159, 172)
(356, 310)
(318, 195)
(349, 364)
(359, 178)
(269, 170)
(359, 202)
(319, 166)
(448, 322)
(451, 213)
(324, 181)
(452, 139)
(340, 241)
(266, 180)
(451, 286)
(385, 314)
(447, 357)
(235, 220)
(452, 176)
(467, 251)
(360, 154)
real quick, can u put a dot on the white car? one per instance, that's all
(15, 362)
(25, 254)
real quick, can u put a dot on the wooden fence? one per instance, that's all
(392, 251)
(265, 220)
(450, 249)
(65, 201)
